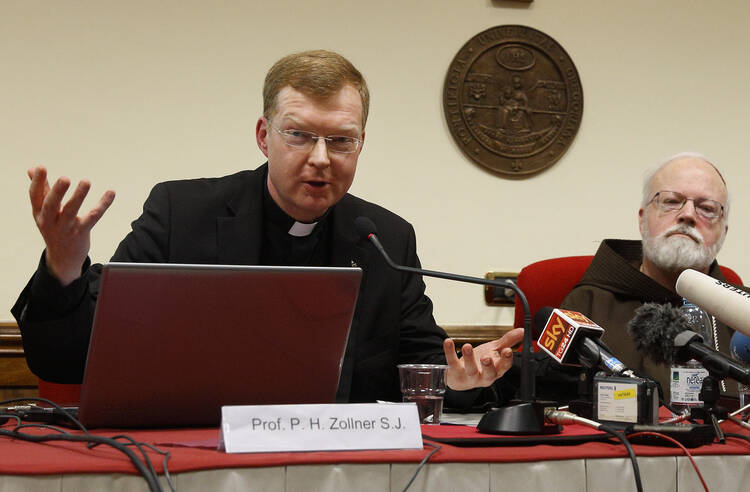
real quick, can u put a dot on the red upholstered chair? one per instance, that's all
(547, 282)
(731, 275)
(62, 394)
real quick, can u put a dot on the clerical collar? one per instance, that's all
(300, 229)
(277, 216)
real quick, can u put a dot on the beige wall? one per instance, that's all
(131, 93)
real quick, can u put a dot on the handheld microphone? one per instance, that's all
(739, 347)
(571, 336)
(727, 303)
(367, 230)
(662, 333)
(619, 395)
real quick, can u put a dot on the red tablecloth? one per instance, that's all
(195, 449)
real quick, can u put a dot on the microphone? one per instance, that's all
(727, 303)
(662, 333)
(619, 395)
(739, 347)
(525, 418)
(367, 230)
(569, 335)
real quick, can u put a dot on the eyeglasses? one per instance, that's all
(341, 144)
(671, 201)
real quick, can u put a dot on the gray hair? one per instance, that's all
(649, 176)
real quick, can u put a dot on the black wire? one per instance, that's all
(738, 436)
(421, 463)
(633, 460)
(151, 480)
(140, 445)
(166, 455)
(145, 467)
(65, 413)
(42, 426)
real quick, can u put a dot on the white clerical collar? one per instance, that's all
(300, 229)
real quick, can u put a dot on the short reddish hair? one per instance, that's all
(317, 74)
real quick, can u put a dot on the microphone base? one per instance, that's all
(518, 418)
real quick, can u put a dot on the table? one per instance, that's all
(196, 465)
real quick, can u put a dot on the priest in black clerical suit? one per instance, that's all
(233, 220)
(294, 210)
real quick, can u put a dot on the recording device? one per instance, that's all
(46, 415)
(727, 303)
(570, 337)
(526, 417)
(662, 333)
(628, 400)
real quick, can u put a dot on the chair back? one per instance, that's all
(62, 394)
(547, 282)
(730, 275)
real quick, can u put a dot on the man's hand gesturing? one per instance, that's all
(67, 235)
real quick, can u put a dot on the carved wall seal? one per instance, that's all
(513, 100)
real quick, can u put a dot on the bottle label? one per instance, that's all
(685, 384)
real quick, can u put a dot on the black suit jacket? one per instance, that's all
(220, 221)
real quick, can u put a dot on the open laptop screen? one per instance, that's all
(172, 343)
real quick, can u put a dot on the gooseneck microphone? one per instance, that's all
(367, 230)
(663, 333)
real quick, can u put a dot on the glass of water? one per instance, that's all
(424, 384)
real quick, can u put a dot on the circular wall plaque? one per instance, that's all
(513, 100)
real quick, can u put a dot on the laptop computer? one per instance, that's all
(172, 343)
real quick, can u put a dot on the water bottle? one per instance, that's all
(739, 348)
(686, 378)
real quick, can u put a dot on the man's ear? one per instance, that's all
(640, 219)
(261, 135)
(362, 137)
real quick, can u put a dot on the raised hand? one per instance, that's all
(67, 235)
(480, 366)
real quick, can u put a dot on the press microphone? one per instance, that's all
(570, 337)
(619, 395)
(727, 303)
(739, 347)
(662, 333)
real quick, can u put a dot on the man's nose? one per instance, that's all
(688, 213)
(319, 154)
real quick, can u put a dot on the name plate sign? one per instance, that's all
(319, 427)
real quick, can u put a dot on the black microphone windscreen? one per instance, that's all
(541, 317)
(364, 227)
(653, 329)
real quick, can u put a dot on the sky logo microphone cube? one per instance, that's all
(561, 331)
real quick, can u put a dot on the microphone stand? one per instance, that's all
(525, 416)
(710, 411)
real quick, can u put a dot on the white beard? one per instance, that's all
(678, 253)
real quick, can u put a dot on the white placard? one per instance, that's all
(319, 427)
